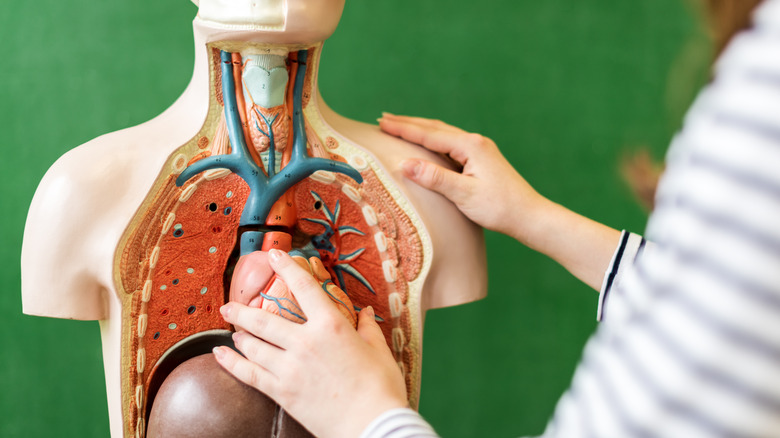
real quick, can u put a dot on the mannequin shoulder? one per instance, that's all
(93, 173)
(76, 217)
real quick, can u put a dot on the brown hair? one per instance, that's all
(725, 18)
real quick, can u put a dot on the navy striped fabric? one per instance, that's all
(690, 341)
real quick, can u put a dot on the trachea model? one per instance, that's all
(271, 167)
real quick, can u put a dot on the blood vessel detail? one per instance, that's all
(264, 188)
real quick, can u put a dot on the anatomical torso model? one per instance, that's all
(248, 159)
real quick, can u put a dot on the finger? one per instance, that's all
(458, 145)
(341, 301)
(246, 371)
(303, 286)
(265, 325)
(258, 351)
(433, 123)
(369, 330)
(454, 186)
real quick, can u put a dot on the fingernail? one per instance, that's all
(219, 353)
(225, 310)
(410, 167)
(387, 114)
(369, 311)
(275, 255)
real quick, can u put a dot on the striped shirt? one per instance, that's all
(689, 345)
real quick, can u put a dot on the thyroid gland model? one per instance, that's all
(151, 229)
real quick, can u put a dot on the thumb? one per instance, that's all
(369, 330)
(434, 177)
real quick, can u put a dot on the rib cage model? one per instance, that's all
(264, 172)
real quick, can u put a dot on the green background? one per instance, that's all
(563, 86)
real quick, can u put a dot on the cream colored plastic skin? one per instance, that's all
(76, 218)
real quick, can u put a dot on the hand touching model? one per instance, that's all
(318, 370)
(479, 190)
(690, 317)
(491, 193)
(322, 368)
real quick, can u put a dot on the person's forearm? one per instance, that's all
(583, 246)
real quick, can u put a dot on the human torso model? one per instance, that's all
(151, 229)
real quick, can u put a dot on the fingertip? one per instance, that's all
(280, 260)
(411, 168)
(220, 353)
(275, 256)
(369, 329)
(452, 185)
(226, 310)
(388, 125)
(299, 282)
(366, 316)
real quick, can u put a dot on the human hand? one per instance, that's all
(332, 379)
(492, 194)
(488, 190)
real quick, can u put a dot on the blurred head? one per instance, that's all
(297, 21)
(725, 18)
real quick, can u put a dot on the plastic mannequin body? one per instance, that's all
(77, 222)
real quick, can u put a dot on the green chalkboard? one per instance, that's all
(563, 86)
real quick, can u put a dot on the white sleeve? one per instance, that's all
(630, 249)
(695, 348)
(399, 423)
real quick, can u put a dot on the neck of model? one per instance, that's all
(265, 73)
(265, 92)
(263, 78)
